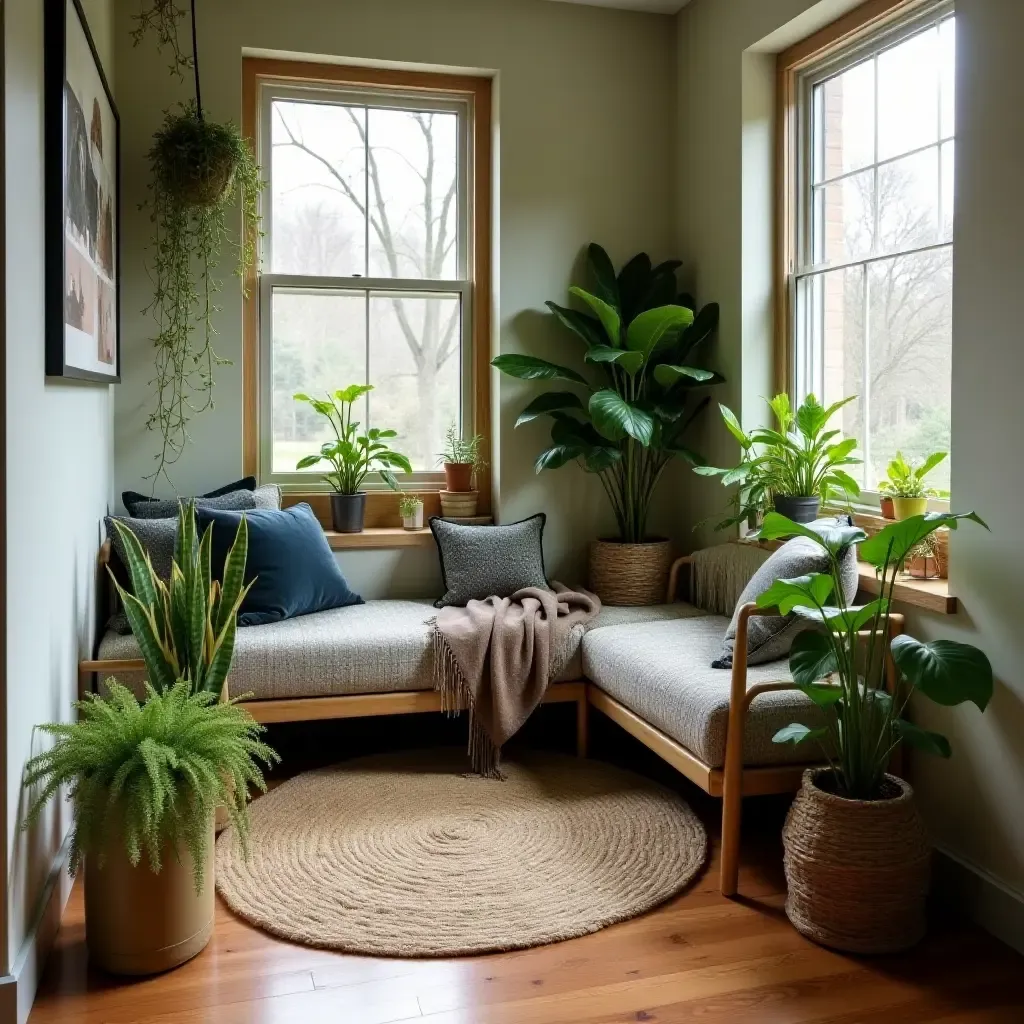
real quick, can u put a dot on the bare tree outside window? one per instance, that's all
(371, 195)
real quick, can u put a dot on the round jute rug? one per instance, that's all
(404, 855)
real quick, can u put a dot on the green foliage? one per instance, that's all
(352, 455)
(798, 458)
(841, 665)
(408, 504)
(905, 478)
(461, 450)
(639, 334)
(154, 772)
(161, 18)
(186, 627)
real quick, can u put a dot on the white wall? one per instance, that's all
(585, 101)
(59, 476)
(973, 802)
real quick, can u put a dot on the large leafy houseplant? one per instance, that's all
(640, 335)
(199, 169)
(840, 665)
(798, 458)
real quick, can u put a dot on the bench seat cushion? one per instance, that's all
(377, 647)
(661, 672)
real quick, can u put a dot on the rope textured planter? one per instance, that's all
(630, 574)
(857, 870)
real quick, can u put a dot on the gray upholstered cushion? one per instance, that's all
(489, 561)
(235, 501)
(661, 672)
(378, 647)
(267, 496)
(769, 637)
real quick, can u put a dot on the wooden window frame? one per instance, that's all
(382, 506)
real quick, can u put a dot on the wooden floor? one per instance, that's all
(699, 958)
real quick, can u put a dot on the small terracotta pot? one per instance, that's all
(886, 504)
(458, 476)
(922, 567)
(857, 871)
(904, 508)
(630, 574)
(459, 504)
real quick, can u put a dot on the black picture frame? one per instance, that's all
(83, 203)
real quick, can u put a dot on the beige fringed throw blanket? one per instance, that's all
(496, 658)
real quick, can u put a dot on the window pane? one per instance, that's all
(415, 364)
(947, 70)
(847, 113)
(319, 346)
(910, 357)
(908, 196)
(844, 220)
(318, 189)
(947, 191)
(908, 87)
(413, 194)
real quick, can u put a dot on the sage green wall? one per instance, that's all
(973, 802)
(585, 108)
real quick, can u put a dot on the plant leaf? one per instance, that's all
(703, 326)
(806, 591)
(905, 534)
(930, 742)
(615, 417)
(811, 657)
(550, 401)
(666, 374)
(607, 314)
(587, 327)
(796, 733)
(778, 527)
(531, 368)
(654, 328)
(946, 671)
(557, 456)
(629, 361)
(601, 268)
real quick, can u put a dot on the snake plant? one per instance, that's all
(186, 626)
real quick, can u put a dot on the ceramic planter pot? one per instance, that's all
(630, 574)
(137, 922)
(459, 504)
(415, 521)
(922, 567)
(886, 505)
(458, 476)
(348, 512)
(799, 509)
(857, 871)
(904, 508)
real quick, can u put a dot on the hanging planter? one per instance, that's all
(199, 169)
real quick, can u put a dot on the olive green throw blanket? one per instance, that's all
(496, 658)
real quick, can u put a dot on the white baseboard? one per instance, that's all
(18, 989)
(981, 896)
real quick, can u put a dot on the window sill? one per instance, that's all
(380, 537)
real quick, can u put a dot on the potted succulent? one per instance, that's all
(147, 778)
(410, 508)
(796, 466)
(904, 484)
(640, 335)
(352, 456)
(462, 460)
(856, 851)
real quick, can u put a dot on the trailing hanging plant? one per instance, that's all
(198, 168)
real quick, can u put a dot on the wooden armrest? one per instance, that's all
(673, 577)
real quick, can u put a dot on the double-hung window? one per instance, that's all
(368, 265)
(869, 268)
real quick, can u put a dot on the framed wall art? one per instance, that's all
(82, 139)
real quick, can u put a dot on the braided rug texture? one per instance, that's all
(405, 855)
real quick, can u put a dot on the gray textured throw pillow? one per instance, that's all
(769, 637)
(489, 561)
(267, 496)
(236, 501)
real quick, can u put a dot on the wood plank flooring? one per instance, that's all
(699, 958)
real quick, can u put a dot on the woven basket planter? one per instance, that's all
(857, 870)
(459, 504)
(630, 574)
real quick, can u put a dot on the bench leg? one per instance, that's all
(582, 725)
(732, 804)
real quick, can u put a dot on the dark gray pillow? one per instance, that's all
(131, 499)
(769, 637)
(489, 561)
(166, 508)
(157, 538)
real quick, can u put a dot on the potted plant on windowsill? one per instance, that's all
(462, 461)
(352, 456)
(856, 851)
(905, 485)
(147, 779)
(640, 336)
(410, 508)
(796, 466)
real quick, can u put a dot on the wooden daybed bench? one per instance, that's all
(645, 668)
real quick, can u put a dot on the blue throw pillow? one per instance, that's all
(289, 558)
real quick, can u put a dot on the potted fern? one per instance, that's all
(856, 851)
(462, 461)
(146, 778)
(351, 455)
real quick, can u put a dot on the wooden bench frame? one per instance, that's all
(731, 782)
